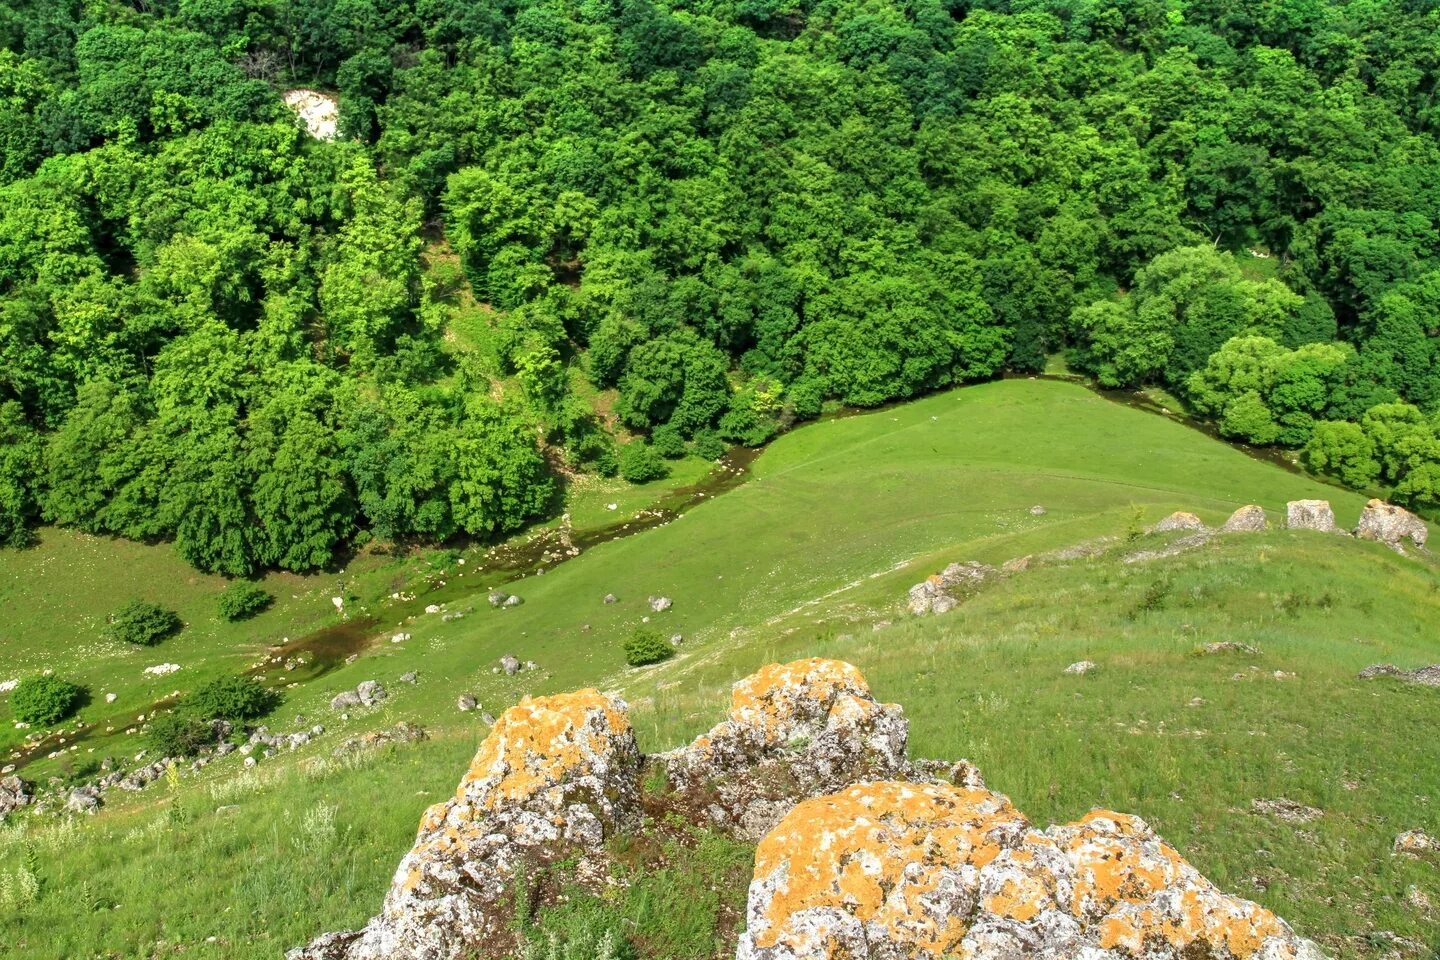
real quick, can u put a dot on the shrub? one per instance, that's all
(178, 734)
(667, 441)
(236, 699)
(646, 646)
(143, 623)
(44, 700)
(242, 600)
(709, 446)
(640, 464)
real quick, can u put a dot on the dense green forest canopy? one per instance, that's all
(218, 330)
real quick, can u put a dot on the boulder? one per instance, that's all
(345, 700)
(609, 598)
(510, 665)
(1179, 520)
(370, 692)
(1415, 843)
(84, 799)
(1425, 676)
(660, 604)
(1038, 511)
(466, 703)
(497, 598)
(795, 730)
(556, 776)
(1390, 524)
(1310, 515)
(410, 677)
(1229, 646)
(891, 870)
(1248, 519)
(943, 591)
(14, 794)
(512, 601)
(1081, 666)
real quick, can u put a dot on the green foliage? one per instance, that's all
(242, 600)
(178, 733)
(142, 623)
(645, 645)
(237, 699)
(639, 463)
(584, 927)
(667, 442)
(44, 700)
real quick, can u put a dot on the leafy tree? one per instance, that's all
(644, 646)
(639, 463)
(242, 600)
(44, 700)
(501, 480)
(143, 623)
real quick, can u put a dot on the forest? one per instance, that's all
(217, 330)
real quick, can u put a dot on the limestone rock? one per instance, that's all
(1248, 519)
(943, 591)
(1179, 520)
(660, 604)
(1425, 676)
(1038, 511)
(1230, 646)
(510, 665)
(554, 778)
(892, 870)
(320, 113)
(14, 793)
(465, 703)
(1416, 843)
(1287, 810)
(366, 694)
(1082, 667)
(1310, 515)
(795, 730)
(1390, 524)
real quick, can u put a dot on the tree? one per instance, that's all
(20, 447)
(500, 477)
(143, 623)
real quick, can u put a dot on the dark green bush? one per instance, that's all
(639, 463)
(45, 700)
(178, 734)
(144, 623)
(236, 699)
(709, 445)
(646, 646)
(667, 441)
(242, 600)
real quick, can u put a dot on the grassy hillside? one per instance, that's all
(809, 557)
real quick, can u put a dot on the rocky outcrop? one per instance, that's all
(942, 592)
(1310, 515)
(1389, 524)
(1248, 519)
(1179, 520)
(1415, 843)
(320, 113)
(366, 694)
(890, 870)
(1425, 676)
(795, 730)
(862, 855)
(556, 776)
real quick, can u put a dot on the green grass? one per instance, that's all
(805, 559)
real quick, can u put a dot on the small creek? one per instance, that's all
(319, 652)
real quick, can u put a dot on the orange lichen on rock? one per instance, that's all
(760, 700)
(540, 742)
(894, 856)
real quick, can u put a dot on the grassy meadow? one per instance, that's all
(810, 557)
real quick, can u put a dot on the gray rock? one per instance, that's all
(1424, 676)
(1230, 646)
(1248, 519)
(512, 601)
(1038, 511)
(510, 665)
(1390, 524)
(1081, 667)
(14, 794)
(84, 799)
(370, 692)
(344, 701)
(1310, 515)
(943, 591)
(409, 677)
(1179, 520)
(466, 703)
(660, 604)
(498, 597)
(609, 598)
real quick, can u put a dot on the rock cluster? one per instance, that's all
(320, 112)
(1310, 515)
(1415, 843)
(1390, 524)
(367, 693)
(1425, 676)
(942, 592)
(14, 793)
(862, 855)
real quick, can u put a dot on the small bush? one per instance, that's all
(639, 463)
(44, 700)
(667, 441)
(178, 734)
(646, 646)
(143, 623)
(236, 699)
(709, 446)
(242, 600)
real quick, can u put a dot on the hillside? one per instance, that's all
(812, 555)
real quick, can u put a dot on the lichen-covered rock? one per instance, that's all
(555, 777)
(879, 870)
(1416, 843)
(320, 112)
(1179, 520)
(890, 870)
(795, 730)
(1310, 515)
(1082, 666)
(1425, 676)
(1390, 524)
(1248, 519)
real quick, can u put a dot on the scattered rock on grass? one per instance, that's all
(1179, 520)
(510, 665)
(943, 591)
(1248, 519)
(1415, 843)
(367, 693)
(14, 793)
(1082, 666)
(660, 604)
(609, 598)
(1424, 676)
(466, 703)
(1287, 810)
(1038, 511)
(1390, 524)
(1310, 515)
(1230, 646)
